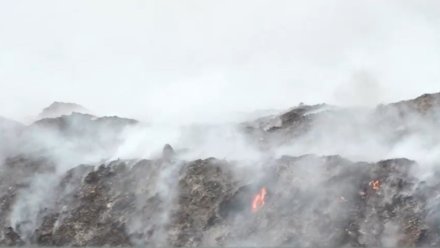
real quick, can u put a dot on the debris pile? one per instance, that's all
(313, 201)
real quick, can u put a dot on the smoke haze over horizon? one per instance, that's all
(200, 60)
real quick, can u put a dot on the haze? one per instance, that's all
(185, 61)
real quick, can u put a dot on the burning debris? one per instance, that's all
(375, 184)
(259, 200)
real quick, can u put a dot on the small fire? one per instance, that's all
(375, 185)
(258, 201)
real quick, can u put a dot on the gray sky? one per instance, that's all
(187, 60)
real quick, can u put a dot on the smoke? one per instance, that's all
(361, 90)
(359, 134)
(202, 60)
(32, 202)
(371, 134)
(191, 70)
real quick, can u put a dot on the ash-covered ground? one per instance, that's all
(313, 176)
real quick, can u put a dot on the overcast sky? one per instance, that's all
(188, 59)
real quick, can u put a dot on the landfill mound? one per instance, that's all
(309, 201)
(267, 198)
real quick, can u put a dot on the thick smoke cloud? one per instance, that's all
(202, 60)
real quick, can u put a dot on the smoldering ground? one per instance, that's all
(132, 194)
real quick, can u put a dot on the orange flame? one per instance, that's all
(258, 201)
(375, 185)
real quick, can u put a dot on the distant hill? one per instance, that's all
(58, 109)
